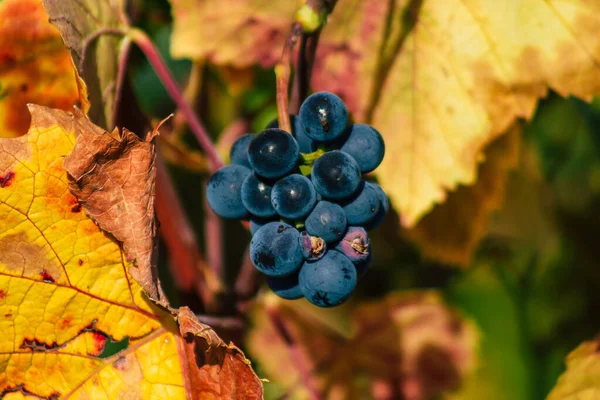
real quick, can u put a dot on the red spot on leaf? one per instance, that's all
(7, 179)
(46, 277)
(7, 315)
(2, 294)
(80, 262)
(65, 323)
(76, 208)
(120, 364)
(99, 342)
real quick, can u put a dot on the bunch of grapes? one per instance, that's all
(308, 207)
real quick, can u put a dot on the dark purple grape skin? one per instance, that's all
(335, 175)
(361, 208)
(327, 221)
(286, 287)
(312, 247)
(323, 116)
(275, 249)
(273, 153)
(304, 142)
(329, 281)
(383, 209)
(355, 244)
(223, 191)
(256, 196)
(363, 266)
(365, 144)
(239, 151)
(293, 197)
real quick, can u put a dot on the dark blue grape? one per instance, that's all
(223, 191)
(304, 141)
(383, 209)
(239, 151)
(365, 145)
(335, 175)
(354, 245)
(362, 207)
(275, 249)
(293, 197)
(256, 223)
(273, 153)
(256, 196)
(326, 221)
(323, 116)
(312, 247)
(328, 282)
(286, 287)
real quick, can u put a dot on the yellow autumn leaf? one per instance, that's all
(35, 66)
(581, 380)
(65, 290)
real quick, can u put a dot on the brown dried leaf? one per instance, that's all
(113, 176)
(213, 368)
(411, 345)
(452, 230)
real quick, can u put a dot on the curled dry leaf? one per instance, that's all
(581, 380)
(411, 346)
(214, 367)
(113, 177)
(65, 293)
(96, 58)
(35, 67)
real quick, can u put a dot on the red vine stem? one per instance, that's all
(145, 44)
(282, 77)
(123, 58)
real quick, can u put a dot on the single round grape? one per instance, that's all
(335, 175)
(327, 221)
(354, 245)
(304, 142)
(328, 282)
(273, 153)
(365, 145)
(239, 150)
(323, 116)
(275, 249)
(293, 197)
(383, 209)
(312, 247)
(256, 223)
(362, 207)
(256, 196)
(286, 287)
(223, 191)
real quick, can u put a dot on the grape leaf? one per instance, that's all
(34, 65)
(65, 292)
(96, 58)
(581, 379)
(408, 343)
(452, 230)
(238, 32)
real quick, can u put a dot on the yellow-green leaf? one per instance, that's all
(581, 380)
(65, 291)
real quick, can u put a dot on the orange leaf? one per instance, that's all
(35, 66)
(65, 291)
